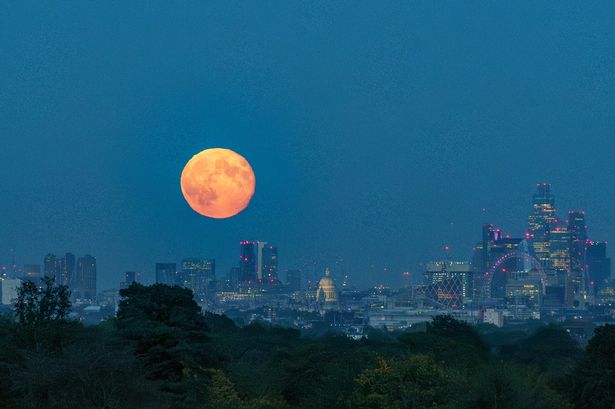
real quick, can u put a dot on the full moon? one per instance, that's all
(218, 183)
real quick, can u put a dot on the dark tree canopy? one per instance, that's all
(46, 303)
(162, 352)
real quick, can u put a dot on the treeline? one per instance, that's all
(160, 351)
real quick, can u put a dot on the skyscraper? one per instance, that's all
(85, 285)
(559, 253)
(129, 278)
(197, 273)
(576, 290)
(598, 265)
(540, 221)
(66, 270)
(269, 267)
(166, 273)
(248, 261)
(50, 266)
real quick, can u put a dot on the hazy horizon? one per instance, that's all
(377, 135)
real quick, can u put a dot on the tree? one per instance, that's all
(42, 314)
(169, 334)
(594, 379)
(36, 305)
(415, 382)
(450, 341)
(550, 349)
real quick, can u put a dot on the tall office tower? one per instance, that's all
(32, 272)
(166, 273)
(233, 276)
(197, 273)
(293, 279)
(248, 261)
(576, 290)
(129, 278)
(85, 285)
(540, 221)
(66, 269)
(598, 265)
(259, 260)
(482, 260)
(406, 279)
(50, 266)
(269, 266)
(559, 253)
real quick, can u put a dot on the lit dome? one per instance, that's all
(326, 289)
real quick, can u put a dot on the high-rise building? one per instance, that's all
(233, 276)
(197, 273)
(129, 278)
(85, 286)
(576, 283)
(559, 253)
(598, 265)
(494, 246)
(540, 221)
(66, 270)
(258, 262)
(406, 279)
(166, 273)
(248, 261)
(269, 266)
(50, 266)
(293, 279)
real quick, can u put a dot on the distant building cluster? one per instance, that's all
(77, 273)
(554, 272)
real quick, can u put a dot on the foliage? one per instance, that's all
(42, 315)
(593, 381)
(36, 305)
(451, 342)
(161, 352)
(169, 335)
(414, 382)
(550, 349)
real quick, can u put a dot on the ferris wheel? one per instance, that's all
(491, 284)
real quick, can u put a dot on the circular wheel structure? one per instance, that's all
(490, 290)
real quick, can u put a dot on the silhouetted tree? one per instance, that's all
(594, 379)
(42, 314)
(36, 305)
(169, 334)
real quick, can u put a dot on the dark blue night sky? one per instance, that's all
(378, 133)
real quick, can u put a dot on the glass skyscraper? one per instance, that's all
(540, 222)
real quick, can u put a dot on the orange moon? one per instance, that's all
(218, 183)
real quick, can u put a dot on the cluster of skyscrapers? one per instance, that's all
(553, 266)
(78, 273)
(258, 266)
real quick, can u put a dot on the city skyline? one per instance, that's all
(369, 142)
(546, 229)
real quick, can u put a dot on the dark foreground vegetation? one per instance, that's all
(161, 352)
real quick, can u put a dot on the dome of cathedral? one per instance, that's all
(326, 289)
